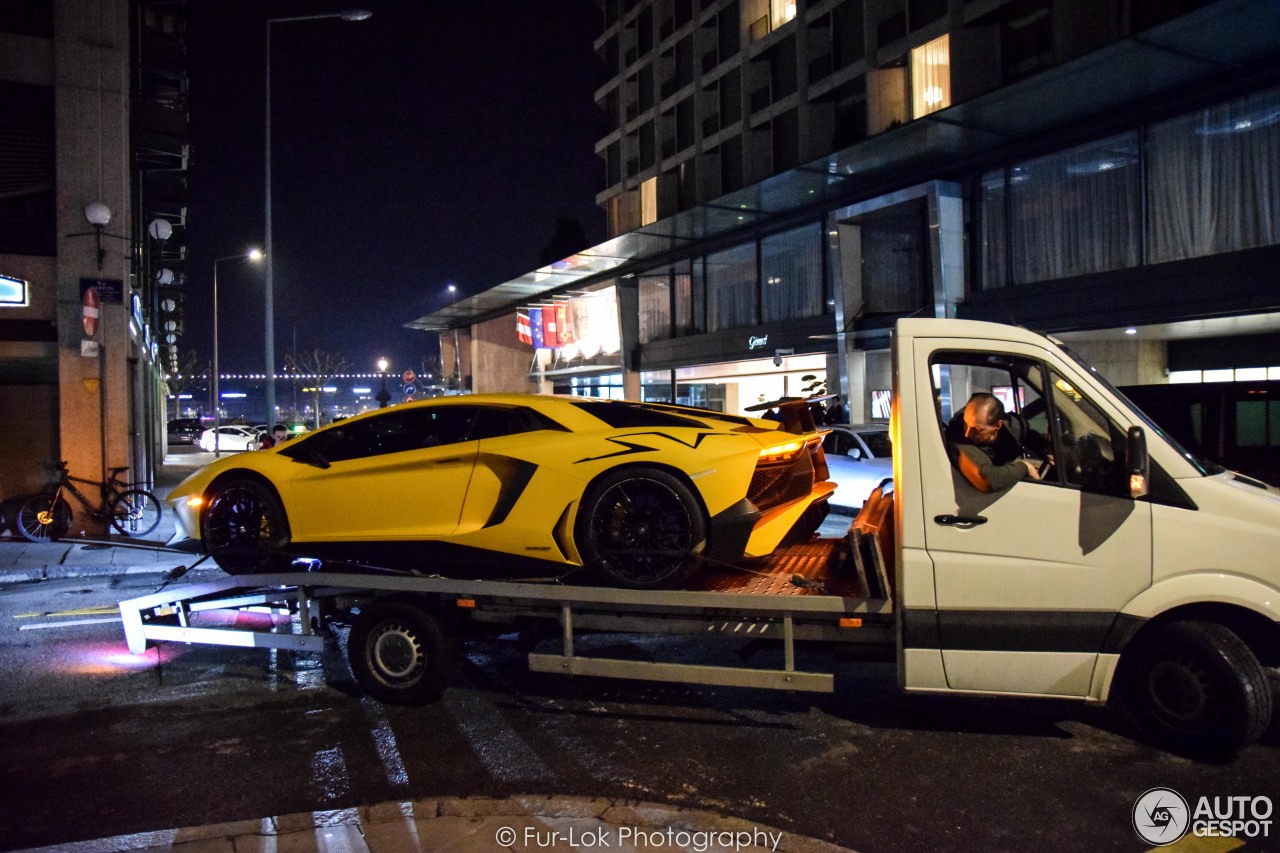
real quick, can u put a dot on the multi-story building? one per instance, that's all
(785, 178)
(93, 153)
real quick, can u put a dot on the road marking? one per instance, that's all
(82, 611)
(1192, 844)
(38, 625)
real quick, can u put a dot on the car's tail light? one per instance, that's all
(781, 452)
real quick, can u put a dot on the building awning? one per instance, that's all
(1229, 39)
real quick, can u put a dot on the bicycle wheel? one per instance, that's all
(135, 513)
(42, 520)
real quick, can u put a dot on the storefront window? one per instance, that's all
(791, 270)
(655, 307)
(731, 288)
(1214, 179)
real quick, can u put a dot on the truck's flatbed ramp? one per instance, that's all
(817, 563)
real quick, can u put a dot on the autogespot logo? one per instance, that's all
(1161, 816)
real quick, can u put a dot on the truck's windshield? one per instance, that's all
(1204, 466)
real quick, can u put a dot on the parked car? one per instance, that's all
(859, 457)
(515, 483)
(184, 431)
(232, 438)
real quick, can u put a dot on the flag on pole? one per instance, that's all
(523, 332)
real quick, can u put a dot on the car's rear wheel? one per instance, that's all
(641, 528)
(245, 529)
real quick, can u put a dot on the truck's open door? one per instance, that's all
(1027, 581)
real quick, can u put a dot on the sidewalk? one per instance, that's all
(466, 824)
(74, 556)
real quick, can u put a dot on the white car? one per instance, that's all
(231, 438)
(859, 458)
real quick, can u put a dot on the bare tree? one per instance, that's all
(316, 367)
(190, 374)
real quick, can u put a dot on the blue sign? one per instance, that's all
(109, 289)
(410, 390)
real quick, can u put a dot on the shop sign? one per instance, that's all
(13, 292)
(757, 342)
(110, 290)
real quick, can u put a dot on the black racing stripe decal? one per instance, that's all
(631, 447)
(1019, 630)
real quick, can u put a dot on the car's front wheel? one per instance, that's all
(245, 528)
(641, 528)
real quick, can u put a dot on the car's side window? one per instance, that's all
(837, 443)
(392, 432)
(497, 421)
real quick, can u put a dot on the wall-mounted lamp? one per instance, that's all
(98, 215)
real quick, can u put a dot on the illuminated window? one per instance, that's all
(781, 11)
(13, 292)
(649, 202)
(931, 77)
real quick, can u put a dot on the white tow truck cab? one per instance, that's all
(1125, 571)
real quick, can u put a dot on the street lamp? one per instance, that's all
(384, 396)
(457, 354)
(268, 312)
(251, 255)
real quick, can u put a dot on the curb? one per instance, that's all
(30, 574)
(475, 823)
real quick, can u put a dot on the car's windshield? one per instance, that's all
(1204, 466)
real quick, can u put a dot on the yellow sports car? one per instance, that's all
(509, 483)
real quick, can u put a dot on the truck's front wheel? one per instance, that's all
(401, 654)
(1196, 686)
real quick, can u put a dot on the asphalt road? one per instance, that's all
(97, 742)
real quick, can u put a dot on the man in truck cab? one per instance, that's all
(982, 448)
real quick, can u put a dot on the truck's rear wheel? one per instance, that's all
(1196, 686)
(401, 654)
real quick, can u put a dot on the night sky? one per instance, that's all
(433, 143)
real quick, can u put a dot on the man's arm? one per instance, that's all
(987, 476)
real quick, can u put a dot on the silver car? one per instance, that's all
(859, 457)
(231, 438)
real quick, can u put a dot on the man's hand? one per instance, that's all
(1033, 470)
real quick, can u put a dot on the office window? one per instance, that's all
(27, 216)
(1076, 211)
(690, 287)
(791, 274)
(655, 307)
(1214, 179)
(13, 292)
(731, 288)
(931, 77)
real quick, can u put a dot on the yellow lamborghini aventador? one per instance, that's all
(509, 483)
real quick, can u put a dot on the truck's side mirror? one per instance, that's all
(1137, 462)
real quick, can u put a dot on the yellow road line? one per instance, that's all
(1191, 844)
(83, 611)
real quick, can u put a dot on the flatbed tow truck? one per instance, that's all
(1122, 570)
(404, 626)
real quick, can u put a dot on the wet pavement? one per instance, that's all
(537, 821)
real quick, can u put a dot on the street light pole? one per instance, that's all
(384, 396)
(268, 284)
(251, 255)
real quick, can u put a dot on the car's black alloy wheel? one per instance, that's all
(641, 529)
(245, 528)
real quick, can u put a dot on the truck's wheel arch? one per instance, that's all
(1258, 631)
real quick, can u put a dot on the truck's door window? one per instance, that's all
(1086, 440)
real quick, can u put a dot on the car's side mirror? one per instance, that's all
(1137, 463)
(854, 453)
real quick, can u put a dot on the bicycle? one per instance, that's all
(132, 511)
